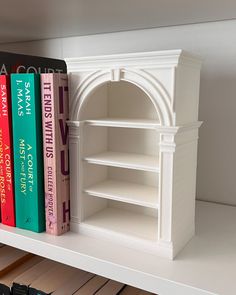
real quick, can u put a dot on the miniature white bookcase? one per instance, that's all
(133, 133)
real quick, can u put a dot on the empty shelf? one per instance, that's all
(123, 122)
(128, 192)
(124, 222)
(125, 160)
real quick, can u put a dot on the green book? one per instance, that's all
(28, 151)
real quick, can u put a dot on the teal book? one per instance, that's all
(28, 151)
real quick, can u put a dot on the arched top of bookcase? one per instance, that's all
(153, 90)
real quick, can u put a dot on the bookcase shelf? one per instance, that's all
(123, 222)
(92, 19)
(125, 160)
(124, 123)
(124, 191)
(197, 270)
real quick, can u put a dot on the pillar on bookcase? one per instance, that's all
(167, 149)
(74, 151)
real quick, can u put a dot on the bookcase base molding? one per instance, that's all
(133, 133)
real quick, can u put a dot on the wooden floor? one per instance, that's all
(25, 273)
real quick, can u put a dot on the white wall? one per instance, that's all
(216, 43)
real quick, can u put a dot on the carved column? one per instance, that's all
(75, 166)
(167, 149)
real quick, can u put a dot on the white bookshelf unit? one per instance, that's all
(133, 148)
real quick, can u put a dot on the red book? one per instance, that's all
(6, 158)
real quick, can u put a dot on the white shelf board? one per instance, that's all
(205, 266)
(128, 192)
(125, 160)
(124, 123)
(124, 222)
(95, 17)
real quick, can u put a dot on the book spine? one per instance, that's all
(6, 159)
(20, 63)
(28, 151)
(55, 133)
(18, 289)
(33, 291)
(4, 290)
(62, 152)
(48, 121)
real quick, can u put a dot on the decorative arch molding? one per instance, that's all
(150, 85)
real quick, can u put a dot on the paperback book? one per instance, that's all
(55, 112)
(28, 151)
(6, 159)
(21, 63)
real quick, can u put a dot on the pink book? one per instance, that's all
(55, 112)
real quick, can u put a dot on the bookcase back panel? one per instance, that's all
(118, 100)
(95, 140)
(129, 101)
(133, 208)
(94, 174)
(134, 176)
(121, 140)
(97, 173)
(138, 141)
(96, 104)
(92, 205)
(120, 219)
(127, 186)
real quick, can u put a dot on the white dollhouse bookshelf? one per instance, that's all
(198, 268)
(206, 265)
(133, 148)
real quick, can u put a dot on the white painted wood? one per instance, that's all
(120, 140)
(115, 100)
(124, 123)
(138, 60)
(89, 17)
(153, 72)
(205, 266)
(142, 210)
(124, 222)
(128, 192)
(184, 190)
(125, 160)
(134, 141)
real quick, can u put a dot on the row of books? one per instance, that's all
(34, 160)
(22, 273)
